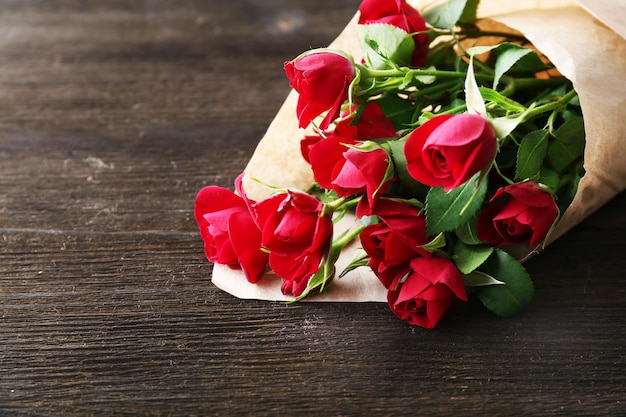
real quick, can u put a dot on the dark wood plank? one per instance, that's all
(112, 116)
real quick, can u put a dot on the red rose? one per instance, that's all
(520, 213)
(362, 171)
(230, 235)
(345, 169)
(296, 235)
(401, 15)
(322, 80)
(326, 158)
(372, 124)
(393, 242)
(448, 150)
(428, 292)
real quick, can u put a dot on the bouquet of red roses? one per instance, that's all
(435, 155)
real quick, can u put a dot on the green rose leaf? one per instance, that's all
(480, 279)
(549, 177)
(398, 158)
(469, 11)
(506, 59)
(321, 279)
(360, 259)
(446, 15)
(517, 291)
(531, 153)
(469, 257)
(510, 56)
(396, 109)
(384, 45)
(569, 144)
(505, 103)
(448, 211)
(467, 233)
(438, 242)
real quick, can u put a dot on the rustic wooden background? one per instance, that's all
(113, 114)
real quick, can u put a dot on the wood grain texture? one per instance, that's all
(112, 116)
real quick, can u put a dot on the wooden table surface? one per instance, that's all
(113, 114)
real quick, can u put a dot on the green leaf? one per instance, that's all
(511, 56)
(398, 158)
(531, 153)
(448, 211)
(447, 14)
(506, 59)
(549, 177)
(478, 50)
(517, 291)
(467, 233)
(470, 11)
(569, 144)
(385, 45)
(502, 101)
(360, 259)
(480, 279)
(396, 109)
(438, 242)
(469, 257)
(320, 280)
(369, 220)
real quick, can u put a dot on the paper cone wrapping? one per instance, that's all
(587, 51)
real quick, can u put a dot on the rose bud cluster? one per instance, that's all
(347, 161)
(288, 231)
(422, 287)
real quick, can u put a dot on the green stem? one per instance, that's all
(340, 203)
(516, 84)
(395, 77)
(403, 71)
(346, 238)
(504, 177)
(550, 106)
(435, 88)
(480, 33)
(331, 207)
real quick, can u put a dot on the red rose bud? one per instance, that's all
(393, 242)
(428, 293)
(372, 124)
(401, 15)
(322, 80)
(362, 171)
(296, 235)
(229, 233)
(326, 158)
(520, 213)
(448, 150)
